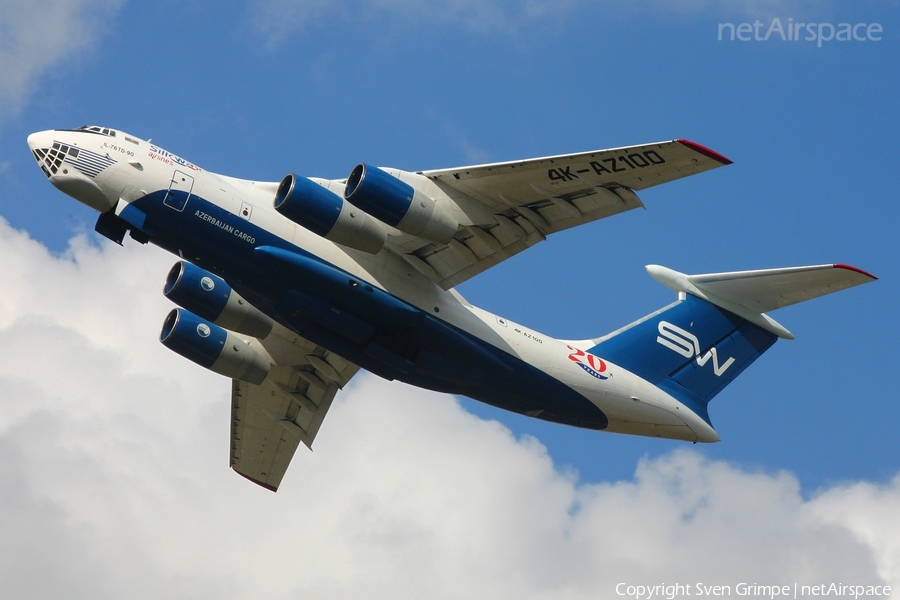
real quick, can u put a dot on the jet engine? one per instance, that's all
(209, 296)
(213, 347)
(325, 213)
(398, 204)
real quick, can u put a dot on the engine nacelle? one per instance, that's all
(398, 204)
(210, 297)
(213, 347)
(325, 213)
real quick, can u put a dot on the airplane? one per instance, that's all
(289, 288)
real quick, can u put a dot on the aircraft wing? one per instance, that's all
(269, 421)
(514, 205)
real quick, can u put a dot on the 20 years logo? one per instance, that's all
(593, 365)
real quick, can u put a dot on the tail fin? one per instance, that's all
(695, 347)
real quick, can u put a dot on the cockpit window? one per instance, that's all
(96, 129)
(51, 158)
(88, 162)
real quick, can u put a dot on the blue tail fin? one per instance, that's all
(691, 349)
(698, 345)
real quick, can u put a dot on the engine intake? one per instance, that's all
(212, 347)
(398, 204)
(326, 214)
(210, 297)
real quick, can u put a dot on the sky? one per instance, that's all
(114, 478)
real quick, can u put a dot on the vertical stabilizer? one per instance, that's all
(691, 349)
(695, 347)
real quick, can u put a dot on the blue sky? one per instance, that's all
(260, 89)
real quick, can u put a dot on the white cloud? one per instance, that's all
(470, 152)
(36, 35)
(114, 480)
(756, 8)
(870, 513)
(278, 19)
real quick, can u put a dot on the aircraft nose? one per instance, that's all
(40, 139)
(41, 144)
(59, 160)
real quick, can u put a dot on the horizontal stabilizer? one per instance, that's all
(750, 294)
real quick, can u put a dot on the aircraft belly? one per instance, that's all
(639, 411)
(640, 408)
(428, 338)
(672, 432)
(625, 409)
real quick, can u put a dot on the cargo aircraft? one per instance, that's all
(289, 288)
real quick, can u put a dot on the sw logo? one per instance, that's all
(593, 365)
(686, 344)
